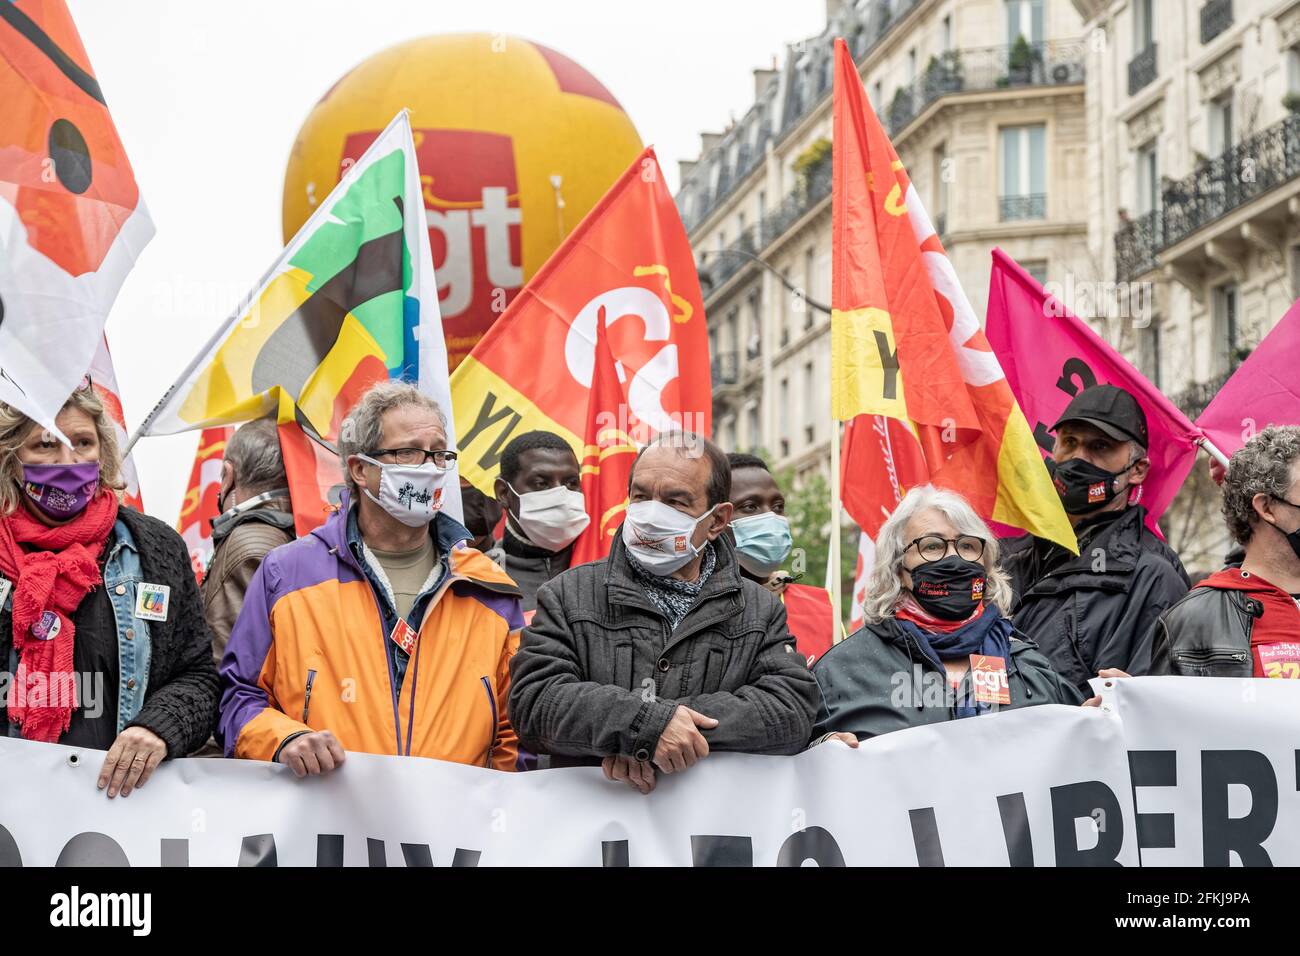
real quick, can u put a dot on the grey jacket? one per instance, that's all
(600, 672)
(530, 566)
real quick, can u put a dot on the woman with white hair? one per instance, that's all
(936, 645)
(102, 639)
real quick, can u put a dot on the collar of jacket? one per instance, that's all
(517, 547)
(623, 588)
(890, 633)
(1120, 538)
(277, 512)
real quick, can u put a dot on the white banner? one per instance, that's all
(1042, 786)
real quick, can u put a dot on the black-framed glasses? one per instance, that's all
(442, 457)
(1293, 504)
(933, 547)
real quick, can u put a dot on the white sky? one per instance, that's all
(208, 99)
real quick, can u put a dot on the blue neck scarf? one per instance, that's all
(988, 634)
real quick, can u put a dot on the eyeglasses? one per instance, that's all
(933, 547)
(444, 459)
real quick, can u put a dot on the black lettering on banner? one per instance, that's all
(375, 855)
(1094, 801)
(1015, 829)
(258, 850)
(9, 853)
(1222, 834)
(175, 852)
(709, 850)
(925, 836)
(419, 855)
(613, 853)
(329, 849)
(488, 415)
(92, 849)
(1071, 369)
(888, 364)
(1153, 768)
(812, 843)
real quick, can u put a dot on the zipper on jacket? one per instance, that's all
(1211, 657)
(306, 697)
(492, 703)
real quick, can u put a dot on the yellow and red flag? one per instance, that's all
(626, 271)
(905, 342)
(199, 506)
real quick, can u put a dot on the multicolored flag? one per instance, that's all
(905, 342)
(1264, 391)
(199, 506)
(352, 300)
(628, 269)
(103, 379)
(72, 222)
(861, 574)
(1050, 355)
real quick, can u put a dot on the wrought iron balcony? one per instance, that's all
(1216, 16)
(815, 186)
(1142, 69)
(728, 261)
(1028, 206)
(1192, 400)
(1214, 188)
(725, 369)
(977, 69)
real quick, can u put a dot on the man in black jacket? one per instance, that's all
(662, 652)
(1095, 610)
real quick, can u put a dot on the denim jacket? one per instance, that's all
(121, 576)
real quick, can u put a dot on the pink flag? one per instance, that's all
(1264, 391)
(1049, 356)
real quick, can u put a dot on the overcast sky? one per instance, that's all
(208, 99)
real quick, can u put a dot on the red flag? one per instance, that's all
(881, 461)
(608, 454)
(199, 506)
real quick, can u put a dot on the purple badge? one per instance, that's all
(47, 628)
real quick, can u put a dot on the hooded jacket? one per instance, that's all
(310, 651)
(1209, 632)
(1095, 610)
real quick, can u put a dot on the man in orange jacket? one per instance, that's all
(381, 631)
(763, 542)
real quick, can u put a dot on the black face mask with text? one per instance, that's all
(950, 588)
(1083, 487)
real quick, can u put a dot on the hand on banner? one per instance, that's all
(681, 744)
(842, 737)
(1107, 672)
(314, 753)
(131, 760)
(639, 774)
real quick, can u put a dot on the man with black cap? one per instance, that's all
(1095, 610)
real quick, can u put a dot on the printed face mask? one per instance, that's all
(951, 588)
(659, 536)
(763, 542)
(410, 493)
(552, 519)
(61, 491)
(1083, 487)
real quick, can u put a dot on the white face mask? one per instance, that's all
(659, 536)
(552, 519)
(410, 493)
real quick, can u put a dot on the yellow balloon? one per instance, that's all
(515, 143)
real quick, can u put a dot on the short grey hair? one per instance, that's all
(363, 430)
(1263, 465)
(255, 458)
(885, 585)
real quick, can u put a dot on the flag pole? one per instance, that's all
(833, 571)
(1212, 451)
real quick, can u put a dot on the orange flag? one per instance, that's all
(199, 506)
(607, 457)
(627, 270)
(905, 342)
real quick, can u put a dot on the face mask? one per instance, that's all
(552, 519)
(61, 491)
(1083, 486)
(410, 493)
(951, 588)
(1292, 537)
(659, 536)
(763, 542)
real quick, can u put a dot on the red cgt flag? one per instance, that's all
(199, 506)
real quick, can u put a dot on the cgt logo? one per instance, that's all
(74, 909)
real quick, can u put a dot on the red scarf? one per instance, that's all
(53, 573)
(909, 610)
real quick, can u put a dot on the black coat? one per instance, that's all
(180, 703)
(600, 671)
(1095, 610)
(870, 686)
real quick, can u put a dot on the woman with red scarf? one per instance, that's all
(102, 639)
(936, 645)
